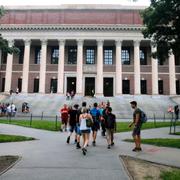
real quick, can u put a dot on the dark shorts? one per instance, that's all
(73, 128)
(137, 131)
(95, 126)
(78, 131)
(86, 131)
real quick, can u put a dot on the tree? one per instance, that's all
(3, 42)
(162, 25)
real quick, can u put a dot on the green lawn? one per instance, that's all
(171, 175)
(174, 143)
(51, 125)
(12, 138)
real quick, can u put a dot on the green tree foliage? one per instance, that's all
(162, 25)
(3, 42)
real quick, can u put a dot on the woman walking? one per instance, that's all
(86, 121)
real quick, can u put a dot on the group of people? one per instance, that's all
(70, 95)
(8, 109)
(84, 120)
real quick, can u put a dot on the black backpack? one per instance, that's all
(110, 121)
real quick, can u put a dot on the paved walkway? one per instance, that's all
(51, 158)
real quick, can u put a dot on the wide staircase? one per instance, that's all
(49, 104)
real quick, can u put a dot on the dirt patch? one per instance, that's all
(7, 162)
(144, 170)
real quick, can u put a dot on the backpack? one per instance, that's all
(110, 121)
(95, 114)
(143, 117)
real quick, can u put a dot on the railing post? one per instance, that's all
(154, 120)
(164, 117)
(42, 116)
(31, 120)
(56, 123)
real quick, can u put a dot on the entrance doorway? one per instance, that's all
(71, 84)
(108, 86)
(89, 86)
(19, 84)
(126, 87)
(53, 87)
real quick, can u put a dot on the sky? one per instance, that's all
(59, 2)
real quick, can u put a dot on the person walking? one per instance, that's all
(95, 113)
(137, 126)
(73, 112)
(110, 125)
(176, 111)
(85, 120)
(64, 117)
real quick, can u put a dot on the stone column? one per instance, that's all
(99, 79)
(9, 66)
(42, 74)
(61, 67)
(154, 63)
(118, 68)
(137, 85)
(172, 75)
(79, 84)
(25, 76)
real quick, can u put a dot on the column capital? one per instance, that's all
(100, 42)
(118, 42)
(10, 42)
(44, 41)
(136, 42)
(80, 42)
(61, 42)
(27, 42)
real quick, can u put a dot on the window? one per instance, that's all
(36, 85)
(3, 85)
(4, 57)
(21, 54)
(125, 56)
(53, 87)
(108, 56)
(54, 55)
(126, 87)
(72, 55)
(143, 57)
(177, 87)
(37, 55)
(90, 56)
(143, 87)
(160, 86)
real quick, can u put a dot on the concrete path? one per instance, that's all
(51, 158)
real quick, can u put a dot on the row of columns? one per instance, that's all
(99, 78)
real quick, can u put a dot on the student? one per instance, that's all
(95, 113)
(64, 117)
(110, 125)
(137, 126)
(72, 122)
(85, 129)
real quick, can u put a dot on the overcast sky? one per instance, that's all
(59, 2)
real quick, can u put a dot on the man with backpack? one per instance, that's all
(110, 125)
(95, 113)
(137, 122)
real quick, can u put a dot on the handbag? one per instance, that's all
(89, 123)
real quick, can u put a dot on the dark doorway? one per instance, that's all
(143, 87)
(3, 85)
(126, 87)
(89, 86)
(160, 86)
(36, 85)
(177, 87)
(53, 87)
(108, 86)
(20, 84)
(71, 84)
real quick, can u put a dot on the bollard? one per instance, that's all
(164, 117)
(42, 116)
(31, 120)
(154, 120)
(56, 123)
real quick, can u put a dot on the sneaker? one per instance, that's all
(84, 151)
(78, 146)
(94, 143)
(68, 140)
(75, 141)
(112, 144)
(137, 149)
(109, 147)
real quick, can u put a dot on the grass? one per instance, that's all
(37, 124)
(51, 126)
(174, 143)
(12, 138)
(171, 175)
(177, 133)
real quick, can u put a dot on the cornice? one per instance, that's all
(77, 27)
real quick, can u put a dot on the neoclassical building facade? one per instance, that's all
(88, 49)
